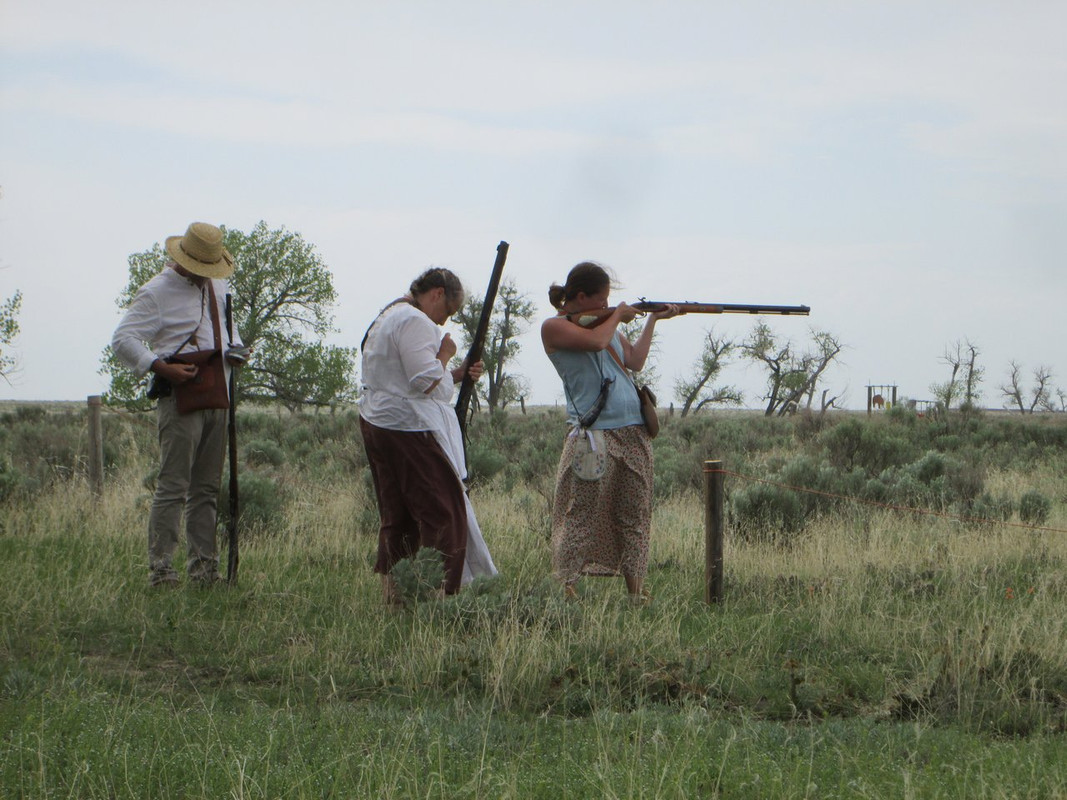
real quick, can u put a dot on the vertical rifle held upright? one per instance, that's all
(474, 354)
(231, 432)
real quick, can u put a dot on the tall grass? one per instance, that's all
(874, 654)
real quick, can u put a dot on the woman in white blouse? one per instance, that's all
(412, 437)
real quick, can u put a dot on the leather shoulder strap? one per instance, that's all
(363, 343)
(215, 327)
(622, 366)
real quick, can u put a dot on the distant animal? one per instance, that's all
(878, 401)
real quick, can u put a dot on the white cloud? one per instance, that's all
(281, 122)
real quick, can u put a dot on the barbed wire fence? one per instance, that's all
(714, 516)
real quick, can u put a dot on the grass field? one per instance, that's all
(880, 654)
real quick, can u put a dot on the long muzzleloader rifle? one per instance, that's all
(231, 432)
(474, 354)
(593, 317)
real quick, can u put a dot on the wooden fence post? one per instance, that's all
(96, 447)
(713, 531)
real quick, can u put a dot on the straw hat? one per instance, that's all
(201, 252)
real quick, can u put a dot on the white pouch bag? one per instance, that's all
(590, 460)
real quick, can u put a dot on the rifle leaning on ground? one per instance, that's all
(231, 432)
(474, 355)
(593, 317)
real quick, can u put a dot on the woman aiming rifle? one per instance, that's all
(603, 504)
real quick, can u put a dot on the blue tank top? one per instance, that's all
(583, 372)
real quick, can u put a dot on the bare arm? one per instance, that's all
(635, 355)
(559, 333)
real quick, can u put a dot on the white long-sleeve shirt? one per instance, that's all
(399, 365)
(161, 316)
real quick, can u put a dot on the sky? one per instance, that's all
(900, 167)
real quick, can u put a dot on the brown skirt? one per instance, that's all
(420, 500)
(601, 527)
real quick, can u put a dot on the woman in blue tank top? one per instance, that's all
(603, 505)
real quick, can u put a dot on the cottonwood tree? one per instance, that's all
(792, 377)
(973, 375)
(946, 392)
(964, 379)
(512, 313)
(9, 329)
(282, 299)
(827, 348)
(699, 390)
(1040, 394)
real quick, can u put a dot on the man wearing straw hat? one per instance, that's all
(178, 313)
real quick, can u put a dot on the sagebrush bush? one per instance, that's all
(929, 468)
(764, 513)
(260, 452)
(24, 414)
(893, 458)
(46, 448)
(676, 471)
(905, 489)
(485, 462)
(965, 478)
(515, 448)
(1034, 507)
(10, 479)
(994, 508)
(262, 503)
(872, 446)
(419, 578)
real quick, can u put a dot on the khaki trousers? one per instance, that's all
(192, 448)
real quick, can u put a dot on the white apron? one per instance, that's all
(440, 418)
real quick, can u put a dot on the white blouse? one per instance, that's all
(161, 317)
(399, 365)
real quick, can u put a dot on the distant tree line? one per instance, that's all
(793, 373)
(962, 390)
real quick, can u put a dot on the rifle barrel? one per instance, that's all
(724, 308)
(595, 316)
(466, 388)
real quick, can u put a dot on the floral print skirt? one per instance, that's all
(601, 527)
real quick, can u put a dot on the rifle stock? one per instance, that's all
(594, 317)
(474, 354)
(231, 432)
